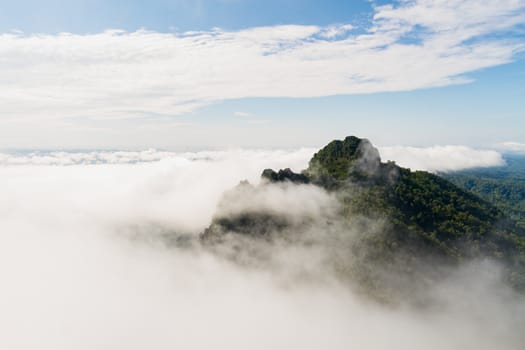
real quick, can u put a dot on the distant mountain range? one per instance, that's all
(392, 230)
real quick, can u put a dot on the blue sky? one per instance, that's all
(84, 16)
(228, 73)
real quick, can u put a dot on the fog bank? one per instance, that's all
(85, 263)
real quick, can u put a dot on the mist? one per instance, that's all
(442, 158)
(90, 258)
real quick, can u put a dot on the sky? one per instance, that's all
(184, 75)
(123, 123)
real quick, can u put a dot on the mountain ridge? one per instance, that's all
(426, 220)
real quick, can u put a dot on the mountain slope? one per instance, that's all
(393, 229)
(502, 186)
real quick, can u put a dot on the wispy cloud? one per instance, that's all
(335, 31)
(511, 146)
(117, 74)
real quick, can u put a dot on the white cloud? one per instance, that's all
(335, 31)
(82, 267)
(263, 158)
(441, 158)
(435, 159)
(116, 74)
(76, 158)
(511, 146)
(178, 189)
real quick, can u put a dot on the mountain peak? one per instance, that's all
(406, 219)
(339, 159)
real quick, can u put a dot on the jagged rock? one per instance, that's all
(284, 175)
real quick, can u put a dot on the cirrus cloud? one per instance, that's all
(117, 74)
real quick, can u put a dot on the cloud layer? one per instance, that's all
(511, 146)
(433, 159)
(115, 74)
(84, 265)
(441, 158)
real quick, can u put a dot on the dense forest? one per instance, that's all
(502, 186)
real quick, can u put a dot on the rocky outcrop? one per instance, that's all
(284, 175)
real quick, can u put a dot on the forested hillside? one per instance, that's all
(402, 225)
(502, 186)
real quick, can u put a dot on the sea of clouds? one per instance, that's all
(434, 159)
(85, 264)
